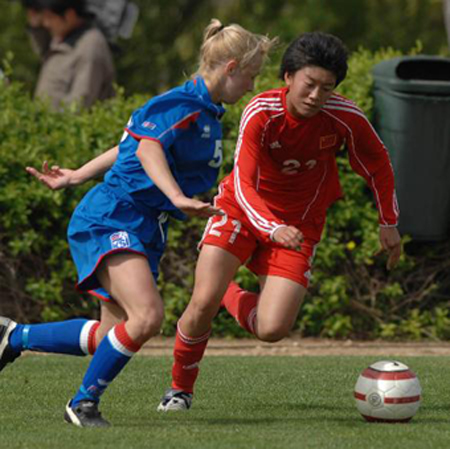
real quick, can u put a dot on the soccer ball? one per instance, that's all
(388, 391)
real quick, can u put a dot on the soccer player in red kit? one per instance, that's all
(284, 178)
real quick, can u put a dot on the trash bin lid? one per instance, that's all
(421, 74)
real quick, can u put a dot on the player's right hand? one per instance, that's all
(196, 208)
(54, 177)
(288, 236)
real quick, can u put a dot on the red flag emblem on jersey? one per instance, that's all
(328, 141)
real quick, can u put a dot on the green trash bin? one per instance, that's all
(412, 117)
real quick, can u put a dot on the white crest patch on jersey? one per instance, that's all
(119, 239)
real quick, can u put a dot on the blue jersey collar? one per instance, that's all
(203, 93)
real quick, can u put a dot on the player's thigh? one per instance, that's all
(278, 306)
(129, 280)
(215, 269)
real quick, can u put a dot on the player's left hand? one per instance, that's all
(288, 236)
(391, 242)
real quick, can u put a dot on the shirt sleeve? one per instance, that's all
(246, 176)
(369, 158)
(162, 121)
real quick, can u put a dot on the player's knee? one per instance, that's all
(152, 325)
(148, 324)
(149, 328)
(272, 334)
(203, 307)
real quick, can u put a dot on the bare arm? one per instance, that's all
(58, 178)
(154, 161)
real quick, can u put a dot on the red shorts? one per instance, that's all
(235, 234)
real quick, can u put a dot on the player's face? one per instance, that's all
(57, 25)
(34, 18)
(240, 80)
(309, 89)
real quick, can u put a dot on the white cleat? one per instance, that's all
(175, 400)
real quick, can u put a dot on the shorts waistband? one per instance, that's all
(125, 196)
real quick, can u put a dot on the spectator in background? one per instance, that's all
(39, 36)
(77, 61)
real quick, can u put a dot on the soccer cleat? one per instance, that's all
(174, 400)
(6, 353)
(85, 414)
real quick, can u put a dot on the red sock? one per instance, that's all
(188, 353)
(241, 305)
(88, 340)
(92, 338)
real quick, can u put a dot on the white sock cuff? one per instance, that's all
(84, 336)
(192, 340)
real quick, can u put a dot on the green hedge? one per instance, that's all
(352, 295)
(166, 38)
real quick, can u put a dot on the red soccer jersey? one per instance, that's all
(285, 168)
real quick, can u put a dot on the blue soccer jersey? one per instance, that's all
(186, 124)
(127, 212)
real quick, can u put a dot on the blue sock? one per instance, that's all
(65, 337)
(111, 356)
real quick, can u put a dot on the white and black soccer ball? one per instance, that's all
(388, 391)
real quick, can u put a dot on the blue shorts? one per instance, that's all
(104, 224)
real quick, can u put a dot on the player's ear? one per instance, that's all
(231, 67)
(288, 78)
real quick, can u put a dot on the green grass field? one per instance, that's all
(241, 402)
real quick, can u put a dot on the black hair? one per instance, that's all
(316, 49)
(57, 6)
(32, 4)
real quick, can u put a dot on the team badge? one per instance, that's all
(119, 240)
(206, 132)
(149, 125)
(328, 141)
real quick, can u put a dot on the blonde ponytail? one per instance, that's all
(224, 43)
(212, 29)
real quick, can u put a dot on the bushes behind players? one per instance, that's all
(352, 294)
